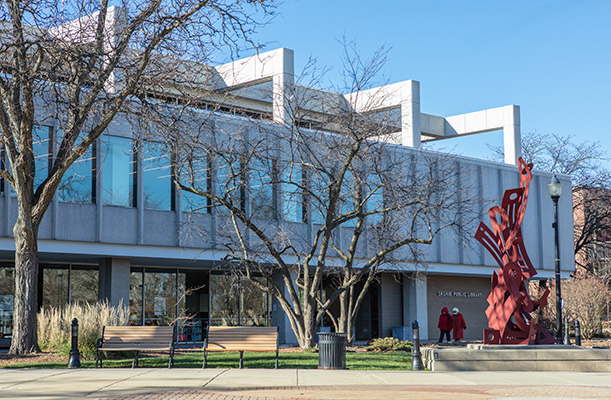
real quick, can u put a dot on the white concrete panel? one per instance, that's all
(495, 117)
(432, 124)
(255, 68)
(531, 226)
(390, 304)
(490, 197)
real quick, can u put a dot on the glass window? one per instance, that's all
(63, 284)
(195, 174)
(224, 300)
(229, 183)
(135, 297)
(254, 304)
(157, 176)
(41, 136)
(291, 190)
(77, 184)
(41, 145)
(119, 176)
(349, 198)
(375, 201)
(54, 287)
(320, 187)
(262, 196)
(160, 296)
(7, 299)
(237, 301)
(84, 285)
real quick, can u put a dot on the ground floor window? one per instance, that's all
(69, 284)
(7, 296)
(59, 284)
(156, 296)
(234, 301)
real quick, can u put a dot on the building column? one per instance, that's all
(390, 305)
(415, 304)
(283, 83)
(279, 317)
(512, 138)
(410, 114)
(113, 284)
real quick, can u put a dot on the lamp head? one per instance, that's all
(555, 188)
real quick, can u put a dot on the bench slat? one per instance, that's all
(117, 338)
(242, 338)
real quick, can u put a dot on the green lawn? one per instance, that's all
(304, 360)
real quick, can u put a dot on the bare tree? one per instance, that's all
(326, 193)
(81, 64)
(584, 297)
(591, 190)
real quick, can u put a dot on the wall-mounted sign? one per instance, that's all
(443, 293)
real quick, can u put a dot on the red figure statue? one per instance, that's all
(512, 314)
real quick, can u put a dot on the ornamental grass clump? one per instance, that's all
(389, 344)
(54, 325)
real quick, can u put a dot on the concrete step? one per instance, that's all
(517, 358)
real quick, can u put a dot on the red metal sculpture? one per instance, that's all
(512, 314)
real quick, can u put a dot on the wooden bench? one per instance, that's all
(241, 338)
(136, 339)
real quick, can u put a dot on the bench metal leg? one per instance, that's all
(276, 359)
(98, 358)
(205, 359)
(135, 361)
(241, 361)
(171, 363)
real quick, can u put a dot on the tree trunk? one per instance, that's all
(25, 334)
(309, 323)
(344, 313)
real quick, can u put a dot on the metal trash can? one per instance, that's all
(331, 350)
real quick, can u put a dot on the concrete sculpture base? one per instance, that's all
(478, 357)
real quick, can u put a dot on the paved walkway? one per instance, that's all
(253, 384)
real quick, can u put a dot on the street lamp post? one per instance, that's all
(555, 190)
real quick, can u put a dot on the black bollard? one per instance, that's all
(74, 361)
(577, 333)
(567, 338)
(416, 355)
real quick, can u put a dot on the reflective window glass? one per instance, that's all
(119, 171)
(254, 304)
(62, 285)
(195, 174)
(319, 186)
(41, 145)
(292, 199)
(224, 300)
(41, 136)
(156, 176)
(229, 183)
(236, 300)
(54, 287)
(349, 198)
(84, 285)
(375, 201)
(77, 184)
(262, 196)
(7, 300)
(160, 296)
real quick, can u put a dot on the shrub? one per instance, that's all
(54, 325)
(389, 344)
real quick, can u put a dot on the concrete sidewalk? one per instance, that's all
(175, 384)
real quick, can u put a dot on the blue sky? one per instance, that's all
(552, 58)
